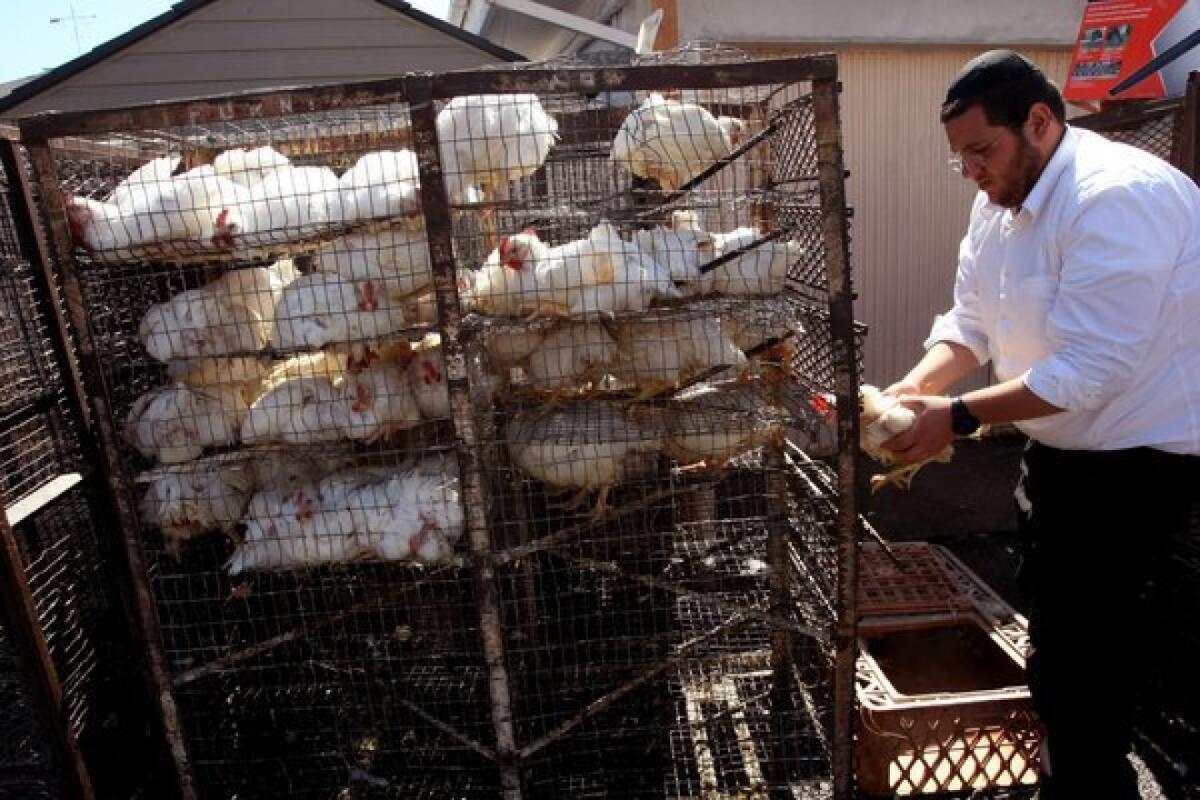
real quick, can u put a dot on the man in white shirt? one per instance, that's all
(1079, 279)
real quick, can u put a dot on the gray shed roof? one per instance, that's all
(26, 89)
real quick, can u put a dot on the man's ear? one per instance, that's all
(1041, 121)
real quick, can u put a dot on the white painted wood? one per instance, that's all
(43, 496)
(569, 21)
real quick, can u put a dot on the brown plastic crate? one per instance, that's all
(942, 695)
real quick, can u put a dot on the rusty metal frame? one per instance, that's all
(439, 232)
(421, 91)
(59, 250)
(1189, 135)
(831, 170)
(251, 105)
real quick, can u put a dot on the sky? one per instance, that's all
(30, 42)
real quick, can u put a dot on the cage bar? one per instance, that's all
(286, 372)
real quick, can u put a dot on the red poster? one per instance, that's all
(1116, 38)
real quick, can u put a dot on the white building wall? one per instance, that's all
(910, 209)
(883, 22)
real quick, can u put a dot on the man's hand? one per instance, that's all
(930, 432)
(902, 388)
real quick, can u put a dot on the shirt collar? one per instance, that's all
(1063, 154)
(1038, 195)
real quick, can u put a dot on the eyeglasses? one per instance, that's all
(974, 159)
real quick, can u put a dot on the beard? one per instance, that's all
(1026, 168)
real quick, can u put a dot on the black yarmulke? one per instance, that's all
(990, 70)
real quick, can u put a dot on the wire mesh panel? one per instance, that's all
(260, 332)
(26, 766)
(62, 589)
(486, 465)
(644, 271)
(1156, 127)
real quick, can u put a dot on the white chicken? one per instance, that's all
(398, 259)
(298, 411)
(582, 447)
(288, 530)
(383, 184)
(605, 274)
(658, 356)
(231, 314)
(571, 356)
(378, 402)
(750, 332)
(672, 142)
(492, 139)
(763, 270)
(511, 347)
(185, 505)
(427, 378)
(176, 423)
(288, 200)
(507, 283)
(413, 515)
(203, 407)
(249, 166)
(135, 190)
(410, 514)
(682, 246)
(198, 207)
(601, 273)
(882, 418)
(323, 308)
(710, 425)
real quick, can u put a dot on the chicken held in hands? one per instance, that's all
(882, 418)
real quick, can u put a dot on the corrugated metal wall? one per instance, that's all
(910, 210)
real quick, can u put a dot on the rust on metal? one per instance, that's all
(205, 111)
(439, 231)
(841, 319)
(277, 102)
(591, 79)
(145, 623)
(37, 253)
(1189, 138)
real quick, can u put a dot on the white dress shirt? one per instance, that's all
(1090, 293)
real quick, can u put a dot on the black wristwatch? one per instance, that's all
(962, 421)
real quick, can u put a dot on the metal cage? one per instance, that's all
(518, 457)
(74, 729)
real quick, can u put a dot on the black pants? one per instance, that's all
(1095, 526)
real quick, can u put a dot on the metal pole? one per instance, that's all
(59, 250)
(439, 229)
(841, 311)
(1189, 151)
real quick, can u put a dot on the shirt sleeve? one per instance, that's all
(1119, 252)
(962, 324)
